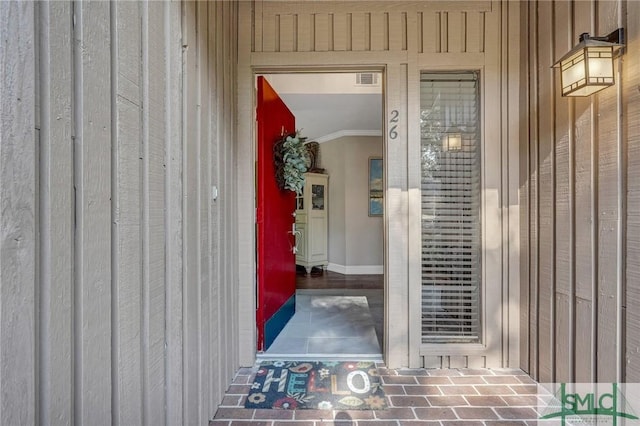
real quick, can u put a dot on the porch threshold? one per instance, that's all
(318, 357)
(414, 396)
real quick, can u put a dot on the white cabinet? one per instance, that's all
(311, 222)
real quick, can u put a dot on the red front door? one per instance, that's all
(276, 260)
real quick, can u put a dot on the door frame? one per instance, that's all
(255, 72)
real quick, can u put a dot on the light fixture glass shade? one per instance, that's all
(452, 141)
(587, 68)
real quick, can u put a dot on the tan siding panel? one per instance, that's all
(173, 216)
(476, 362)
(341, 33)
(492, 214)
(632, 317)
(271, 22)
(56, 214)
(443, 36)
(96, 303)
(229, 299)
(473, 32)
(584, 198)
(304, 22)
(257, 20)
(525, 201)
(608, 359)
(127, 168)
(229, 311)
(203, 189)
(380, 31)
(483, 28)
(584, 341)
(631, 73)
(322, 37)
(513, 117)
(360, 31)
(458, 362)
(227, 288)
(455, 31)
(563, 210)
(585, 219)
(534, 204)
(565, 338)
(430, 32)
(397, 28)
(563, 166)
(191, 208)
(18, 221)
(590, 270)
(93, 297)
(432, 362)
(584, 146)
(288, 35)
(221, 337)
(155, 238)
(546, 164)
(269, 33)
(379, 5)
(215, 379)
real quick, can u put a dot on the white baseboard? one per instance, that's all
(356, 269)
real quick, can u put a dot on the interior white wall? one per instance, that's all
(333, 161)
(356, 241)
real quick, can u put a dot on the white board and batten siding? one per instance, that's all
(580, 203)
(402, 38)
(117, 292)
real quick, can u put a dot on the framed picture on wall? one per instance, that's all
(376, 192)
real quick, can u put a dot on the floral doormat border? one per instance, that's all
(294, 385)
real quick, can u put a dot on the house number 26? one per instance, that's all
(393, 133)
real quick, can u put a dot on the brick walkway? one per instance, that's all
(416, 397)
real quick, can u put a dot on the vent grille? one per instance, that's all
(366, 79)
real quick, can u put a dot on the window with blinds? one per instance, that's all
(451, 240)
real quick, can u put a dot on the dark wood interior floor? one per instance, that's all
(319, 279)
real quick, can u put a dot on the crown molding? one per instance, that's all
(344, 133)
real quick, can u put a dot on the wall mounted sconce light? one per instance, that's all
(588, 67)
(452, 140)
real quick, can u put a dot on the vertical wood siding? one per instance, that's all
(631, 133)
(585, 195)
(18, 215)
(117, 292)
(402, 38)
(581, 204)
(564, 202)
(525, 191)
(371, 26)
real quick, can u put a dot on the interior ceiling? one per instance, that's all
(320, 115)
(325, 104)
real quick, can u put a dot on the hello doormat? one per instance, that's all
(294, 385)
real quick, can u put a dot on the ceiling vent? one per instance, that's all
(367, 79)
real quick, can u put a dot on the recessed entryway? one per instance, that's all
(339, 220)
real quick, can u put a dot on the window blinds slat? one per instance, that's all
(451, 179)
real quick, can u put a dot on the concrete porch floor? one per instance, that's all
(415, 397)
